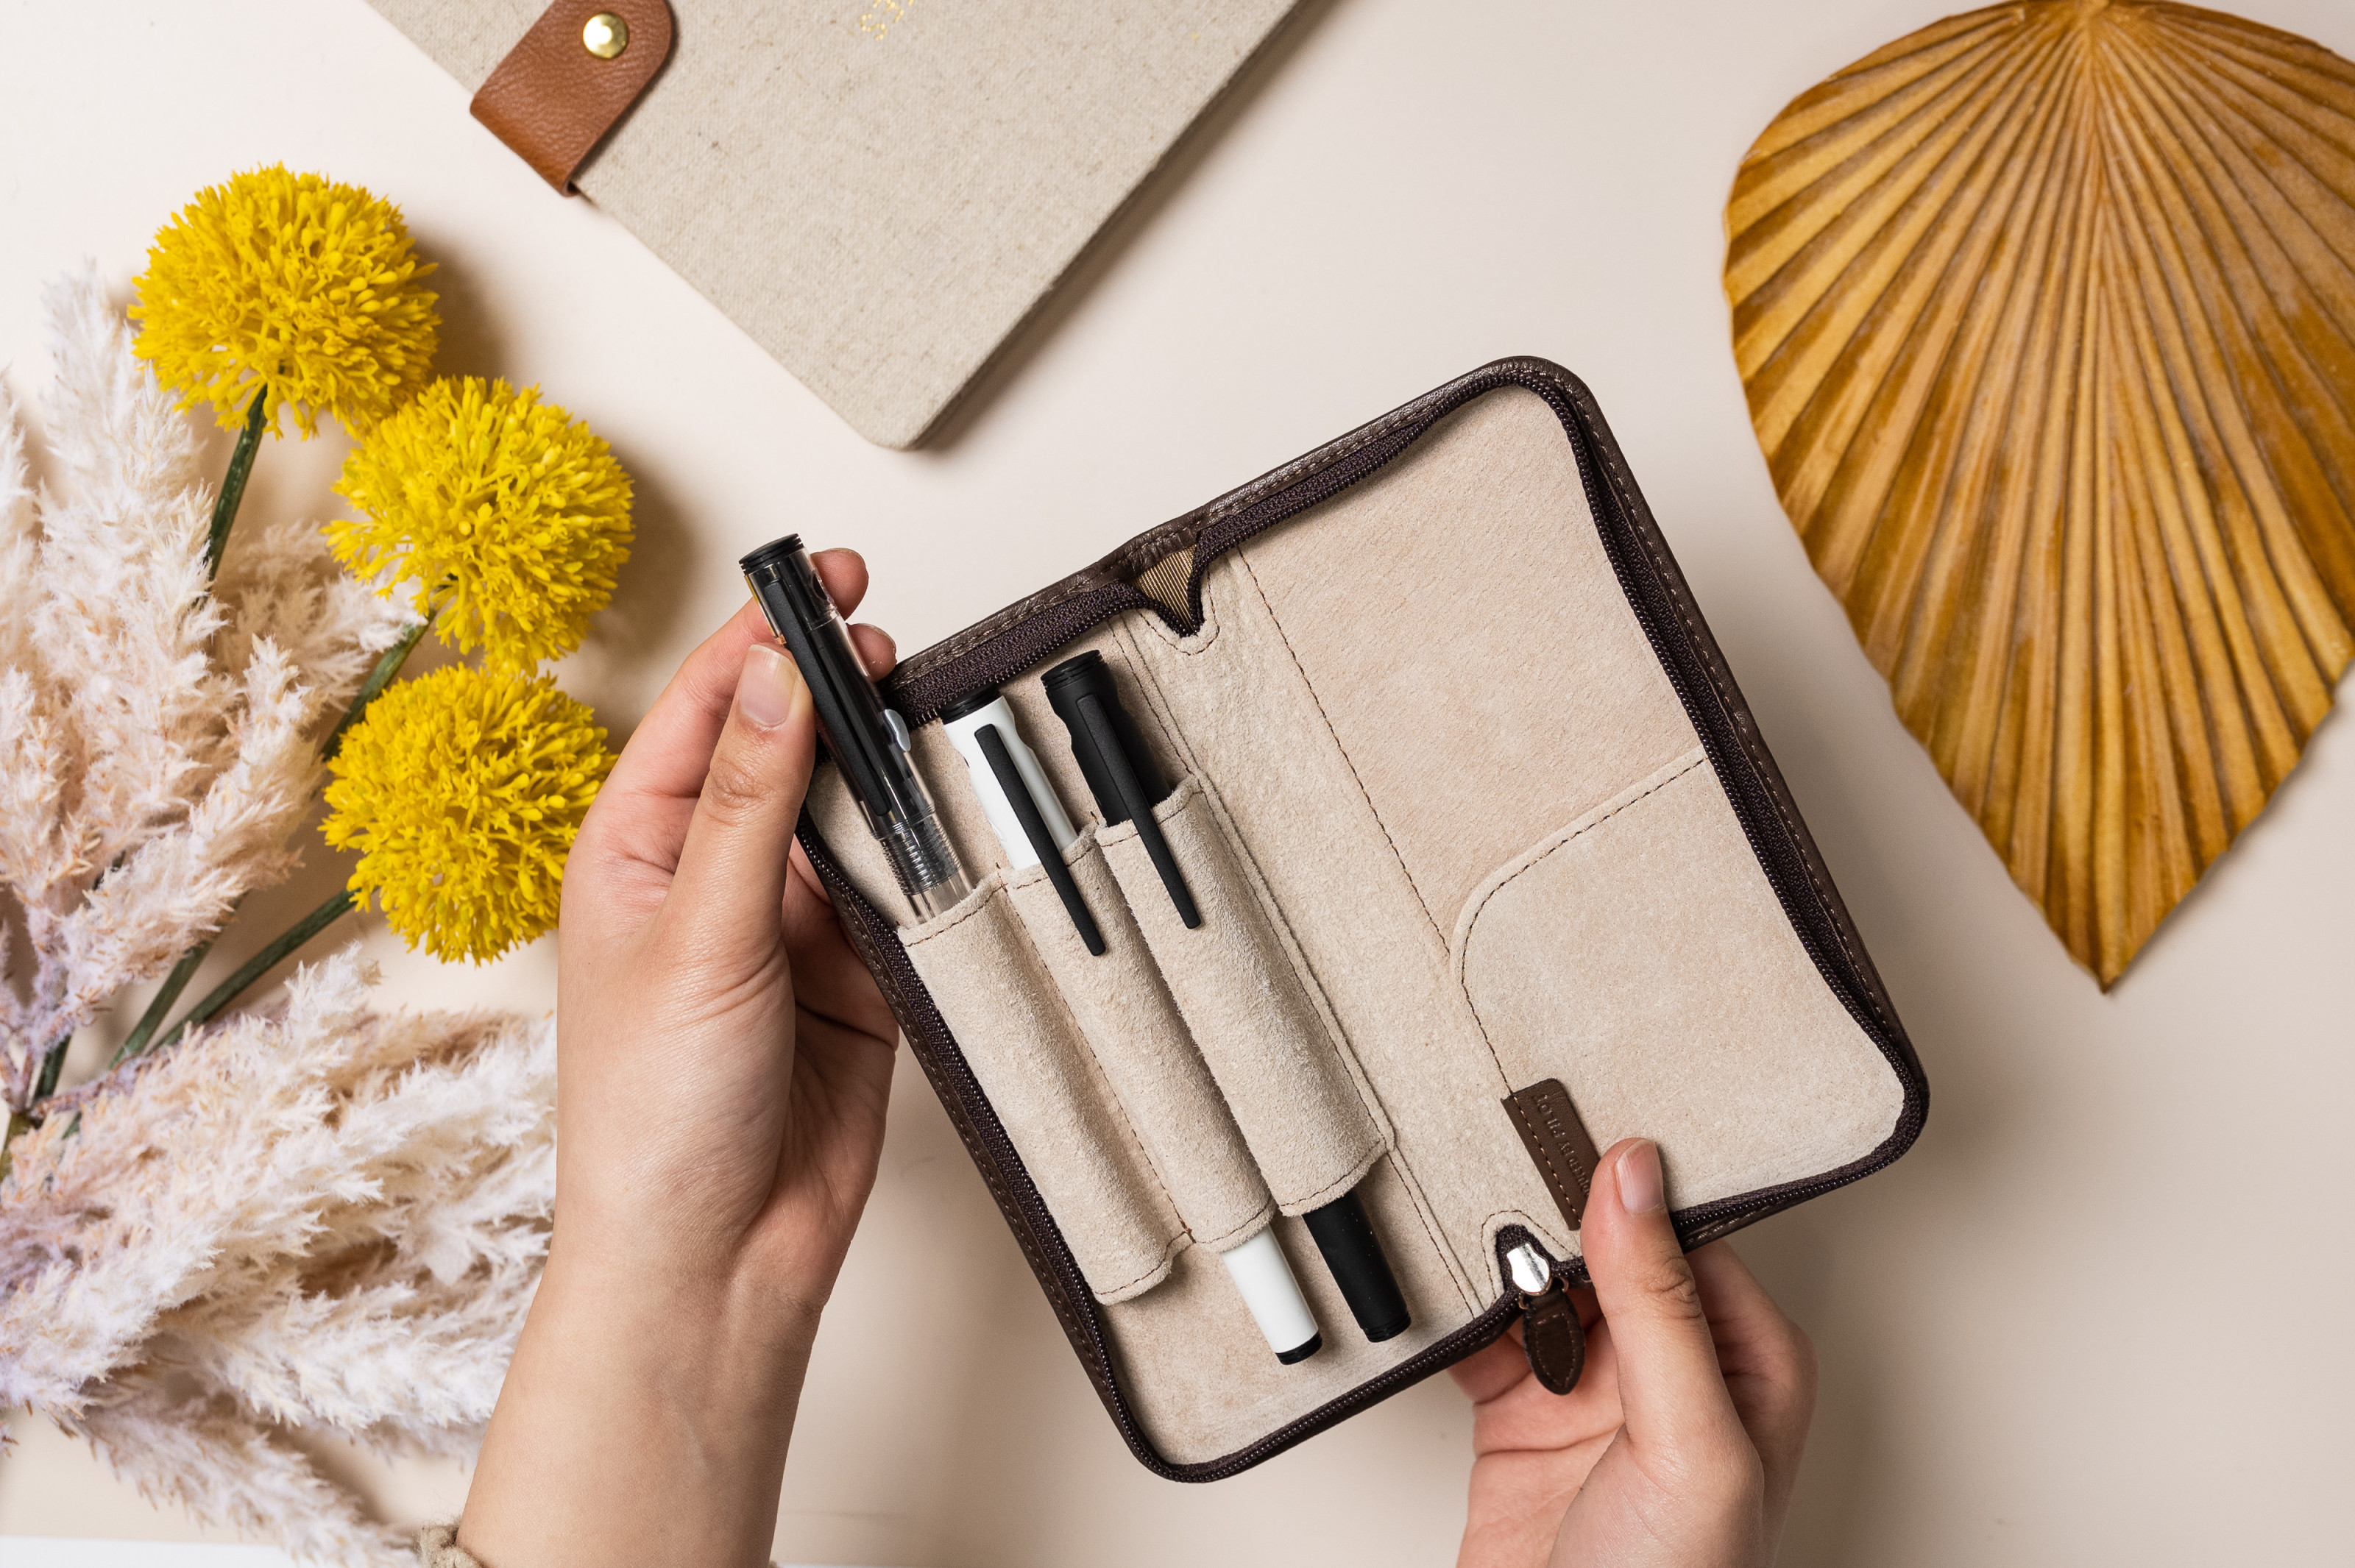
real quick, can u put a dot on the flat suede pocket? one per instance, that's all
(1638, 955)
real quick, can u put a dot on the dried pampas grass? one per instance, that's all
(327, 1220)
(322, 1219)
(158, 735)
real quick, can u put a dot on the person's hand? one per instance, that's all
(724, 1061)
(1680, 1445)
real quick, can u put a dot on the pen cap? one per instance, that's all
(963, 722)
(1345, 1234)
(1088, 675)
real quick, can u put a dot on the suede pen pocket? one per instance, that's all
(1047, 1088)
(1259, 1034)
(1141, 1045)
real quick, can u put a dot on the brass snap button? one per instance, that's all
(605, 35)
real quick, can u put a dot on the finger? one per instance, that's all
(1678, 1411)
(1751, 1333)
(829, 978)
(844, 572)
(666, 753)
(876, 649)
(1769, 1365)
(671, 748)
(724, 898)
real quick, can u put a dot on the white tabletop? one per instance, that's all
(2096, 1316)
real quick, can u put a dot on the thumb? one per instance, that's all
(725, 895)
(1678, 1413)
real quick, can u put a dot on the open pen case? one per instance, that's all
(1493, 869)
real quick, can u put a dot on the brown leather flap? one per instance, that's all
(555, 96)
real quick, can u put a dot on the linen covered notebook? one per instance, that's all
(879, 191)
(1492, 868)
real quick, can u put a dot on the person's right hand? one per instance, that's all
(1680, 1445)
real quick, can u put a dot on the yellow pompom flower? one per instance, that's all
(507, 514)
(292, 285)
(462, 791)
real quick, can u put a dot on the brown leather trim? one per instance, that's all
(551, 100)
(1558, 1144)
(1554, 1341)
(1024, 634)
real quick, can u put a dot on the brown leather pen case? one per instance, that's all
(1494, 870)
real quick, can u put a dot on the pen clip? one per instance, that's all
(1140, 810)
(1034, 828)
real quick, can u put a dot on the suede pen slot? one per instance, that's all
(1049, 1092)
(1119, 769)
(1266, 1045)
(1124, 1012)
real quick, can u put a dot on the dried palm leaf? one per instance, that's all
(2046, 315)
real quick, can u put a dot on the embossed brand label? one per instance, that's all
(1557, 1141)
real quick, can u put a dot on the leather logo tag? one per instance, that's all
(1557, 1142)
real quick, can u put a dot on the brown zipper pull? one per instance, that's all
(1551, 1334)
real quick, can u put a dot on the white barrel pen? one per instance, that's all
(1264, 1275)
(1031, 823)
(962, 721)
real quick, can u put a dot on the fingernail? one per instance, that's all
(1639, 1179)
(767, 687)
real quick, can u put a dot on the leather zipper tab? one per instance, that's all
(1551, 1334)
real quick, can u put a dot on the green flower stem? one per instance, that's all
(295, 936)
(378, 679)
(53, 1062)
(19, 1122)
(152, 1018)
(144, 1033)
(25, 1121)
(240, 468)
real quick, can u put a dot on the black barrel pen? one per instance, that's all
(1111, 756)
(867, 741)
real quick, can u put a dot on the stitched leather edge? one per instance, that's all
(1575, 1148)
(1555, 1345)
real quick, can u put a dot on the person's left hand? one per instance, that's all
(724, 1061)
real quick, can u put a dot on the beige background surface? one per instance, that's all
(2096, 1317)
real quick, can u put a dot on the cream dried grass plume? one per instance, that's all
(158, 734)
(318, 1220)
(326, 1220)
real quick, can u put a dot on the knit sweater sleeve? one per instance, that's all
(437, 1547)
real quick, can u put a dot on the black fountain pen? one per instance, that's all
(867, 739)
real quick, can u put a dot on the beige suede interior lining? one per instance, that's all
(1452, 834)
(1578, 946)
